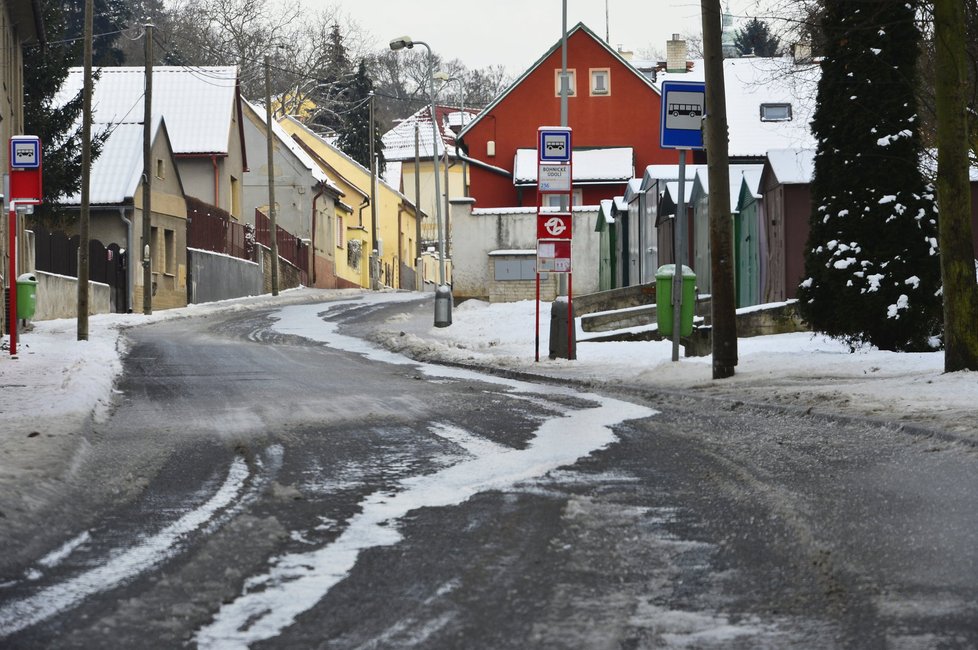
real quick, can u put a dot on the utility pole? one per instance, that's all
(272, 226)
(375, 245)
(417, 195)
(83, 225)
(715, 140)
(147, 210)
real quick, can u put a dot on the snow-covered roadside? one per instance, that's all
(800, 370)
(56, 382)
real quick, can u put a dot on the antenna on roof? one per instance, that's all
(607, 25)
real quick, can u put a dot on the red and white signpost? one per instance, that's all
(25, 189)
(554, 229)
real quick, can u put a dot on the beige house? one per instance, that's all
(20, 24)
(203, 114)
(116, 214)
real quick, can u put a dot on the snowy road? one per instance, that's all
(270, 480)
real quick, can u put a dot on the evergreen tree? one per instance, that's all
(108, 18)
(334, 87)
(355, 133)
(872, 265)
(756, 38)
(58, 124)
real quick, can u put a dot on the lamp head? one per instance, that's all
(402, 42)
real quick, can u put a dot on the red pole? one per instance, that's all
(571, 333)
(12, 326)
(537, 358)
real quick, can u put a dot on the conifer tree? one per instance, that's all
(54, 120)
(354, 135)
(872, 260)
(755, 38)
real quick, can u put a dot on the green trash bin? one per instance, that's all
(26, 296)
(663, 300)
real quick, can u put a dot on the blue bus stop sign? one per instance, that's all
(683, 108)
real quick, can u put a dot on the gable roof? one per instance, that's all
(399, 141)
(579, 27)
(753, 81)
(198, 103)
(310, 134)
(702, 181)
(792, 166)
(118, 170)
(304, 158)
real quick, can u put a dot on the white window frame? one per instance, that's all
(595, 73)
(571, 81)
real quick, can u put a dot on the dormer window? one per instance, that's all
(775, 112)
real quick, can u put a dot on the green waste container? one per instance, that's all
(26, 296)
(663, 300)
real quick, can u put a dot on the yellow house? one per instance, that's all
(395, 240)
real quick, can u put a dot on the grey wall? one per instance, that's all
(214, 276)
(57, 297)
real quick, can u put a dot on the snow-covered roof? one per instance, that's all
(736, 177)
(117, 171)
(751, 181)
(671, 193)
(609, 165)
(633, 190)
(655, 173)
(621, 205)
(309, 133)
(605, 211)
(304, 158)
(399, 141)
(792, 166)
(756, 81)
(196, 102)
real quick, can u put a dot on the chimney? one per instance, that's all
(802, 52)
(676, 54)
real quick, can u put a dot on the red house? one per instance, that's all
(613, 110)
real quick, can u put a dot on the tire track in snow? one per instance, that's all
(297, 581)
(124, 565)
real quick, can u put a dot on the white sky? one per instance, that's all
(515, 33)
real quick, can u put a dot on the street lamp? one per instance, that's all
(443, 294)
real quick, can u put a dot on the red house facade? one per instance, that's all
(612, 106)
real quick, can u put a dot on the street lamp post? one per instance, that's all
(443, 294)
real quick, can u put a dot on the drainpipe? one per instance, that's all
(363, 206)
(322, 188)
(130, 278)
(217, 186)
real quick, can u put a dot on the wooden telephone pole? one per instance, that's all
(83, 223)
(715, 140)
(147, 210)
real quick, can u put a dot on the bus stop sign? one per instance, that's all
(683, 108)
